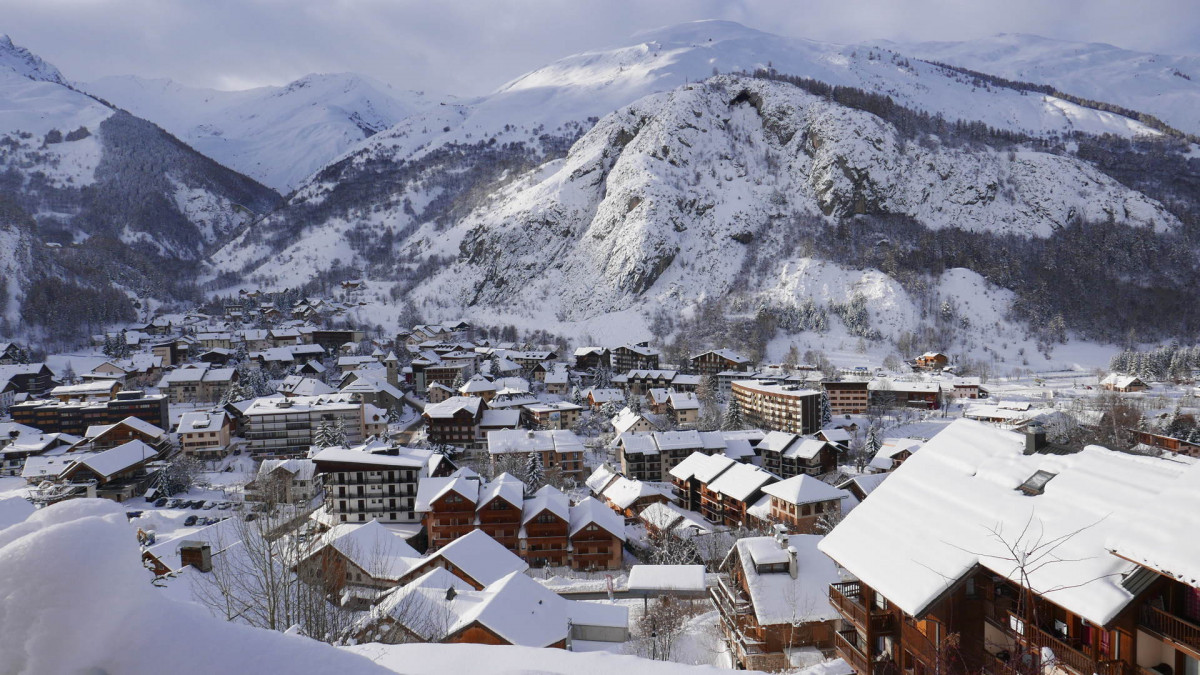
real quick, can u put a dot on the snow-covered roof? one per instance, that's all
(683, 400)
(592, 511)
(500, 418)
(741, 481)
(194, 422)
(478, 384)
(480, 557)
(408, 458)
(667, 578)
(430, 489)
(301, 469)
(806, 448)
(121, 458)
(1167, 537)
(448, 408)
(139, 425)
(665, 515)
(777, 597)
(702, 467)
(506, 487)
(379, 551)
(937, 517)
(503, 441)
(900, 385)
(638, 443)
(804, 489)
(1121, 381)
(623, 492)
(866, 482)
(600, 478)
(605, 395)
(728, 354)
(298, 385)
(547, 498)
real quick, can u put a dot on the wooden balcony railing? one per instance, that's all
(1171, 627)
(1065, 654)
(846, 598)
(916, 642)
(846, 643)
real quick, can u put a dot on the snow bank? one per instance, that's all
(75, 598)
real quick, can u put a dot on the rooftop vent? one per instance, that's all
(1036, 484)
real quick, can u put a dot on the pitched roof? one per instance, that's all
(778, 598)
(740, 481)
(448, 408)
(376, 549)
(506, 487)
(932, 521)
(593, 511)
(548, 498)
(804, 489)
(115, 460)
(480, 557)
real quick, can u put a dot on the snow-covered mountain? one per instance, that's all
(1167, 87)
(276, 135)
(709, 190)
(98, 200)
(433, 168)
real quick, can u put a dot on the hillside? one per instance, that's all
(1165, 86)
(277, 135)
(111, 206)
(432, 169)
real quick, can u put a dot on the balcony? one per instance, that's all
(1172, 628)
(846, 598)
(918, 643)
(846, 642)
(1067, 656)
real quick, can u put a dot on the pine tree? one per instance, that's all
(534, 476)
(393, 415)
(873, 443)
(108, 349)
(458, 381)
(732, 421)
(322, 438)
(338, 433)
(826, 410)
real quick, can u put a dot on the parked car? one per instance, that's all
(173, 503)
(210, 505)
(223, 505)
(161, 502)
(189, 521)
(133, 514)
(198, 504)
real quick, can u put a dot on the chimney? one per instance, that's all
(1035, 438)
(792, 567)
(196, 554)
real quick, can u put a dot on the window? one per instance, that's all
(1036, 484)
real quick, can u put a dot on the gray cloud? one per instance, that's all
(471, 47)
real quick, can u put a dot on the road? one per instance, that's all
(406, 435)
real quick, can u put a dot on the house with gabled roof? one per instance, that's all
(596, 536)
(545, 526)
(358, 560)
(474, 557)
(447, 507)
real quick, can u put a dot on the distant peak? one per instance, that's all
(698, 31)
(24, 63)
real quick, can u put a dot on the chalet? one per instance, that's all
(438, 392)
(715, 361)
(447, 507)
(455, 421)
(691, 475)
(683, 408)
(968, 387)
(514, 610)
(862, 485)
(475, 558)
(892, 453)
(105, 436)
(284, 481)
(651, 456)
(931, 361)
(663, 517)
(938, 589)
(788, 455)
(801, 502)
(601, 478)
(358, 560)
(629, 497)
(596, 536)
(117, 473)
(11, 353)
(639, 356)
(728, 498)
(557, 379)
(1123, 383)
(545, 526)
(205, 434)
(592, 358)
(479, 386)
(34, 379)
(371, 385)
(598, 398)
(19, 442)
(628, 421)
(770, 595)
(499, 508)
(639, 382)
(298, 385)
(1166, 442)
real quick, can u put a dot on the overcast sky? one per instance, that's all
(471, 47)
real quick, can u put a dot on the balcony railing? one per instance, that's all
(1065, 654)
(846, 642)
(846, 598)
(1171, 627)
(918, 643)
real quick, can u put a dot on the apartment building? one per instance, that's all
(780, 407)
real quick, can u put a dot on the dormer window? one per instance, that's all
(1036, 484)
